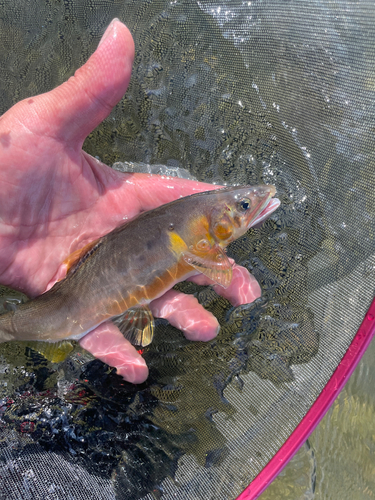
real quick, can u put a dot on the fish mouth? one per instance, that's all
(270, 205)
(265, 204)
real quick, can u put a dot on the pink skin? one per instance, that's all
(55, 198)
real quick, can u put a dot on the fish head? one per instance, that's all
(238, 209)
(219, 217)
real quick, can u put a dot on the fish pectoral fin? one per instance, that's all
(213, 263)
(73, 259)
(137, 325)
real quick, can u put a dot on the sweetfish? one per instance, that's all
(116, 276)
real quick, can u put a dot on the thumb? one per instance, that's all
(72, 110)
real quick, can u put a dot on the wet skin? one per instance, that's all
(55, 198)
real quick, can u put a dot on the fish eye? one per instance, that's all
(244, 205)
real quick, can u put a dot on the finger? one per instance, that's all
(185, 313)
(108, 344)
(243, 288)
(72, 110)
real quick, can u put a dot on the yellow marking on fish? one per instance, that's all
(177, 244)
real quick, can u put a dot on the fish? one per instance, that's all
(115, 277)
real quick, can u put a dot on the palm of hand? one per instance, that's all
(55, 198)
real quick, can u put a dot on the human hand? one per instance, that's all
(55, 198)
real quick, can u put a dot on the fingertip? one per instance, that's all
(109, 30)
(185, 313)
(72, 110)
(203, 331)
(118, 32)
(135, 373)
(102, 81)
(244, 287)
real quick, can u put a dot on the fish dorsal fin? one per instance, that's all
(74, 258)
(212, 262)
(137, 325)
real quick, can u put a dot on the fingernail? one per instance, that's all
(108, 32)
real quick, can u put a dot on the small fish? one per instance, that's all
(118, 275)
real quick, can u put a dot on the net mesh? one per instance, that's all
(233, 92)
